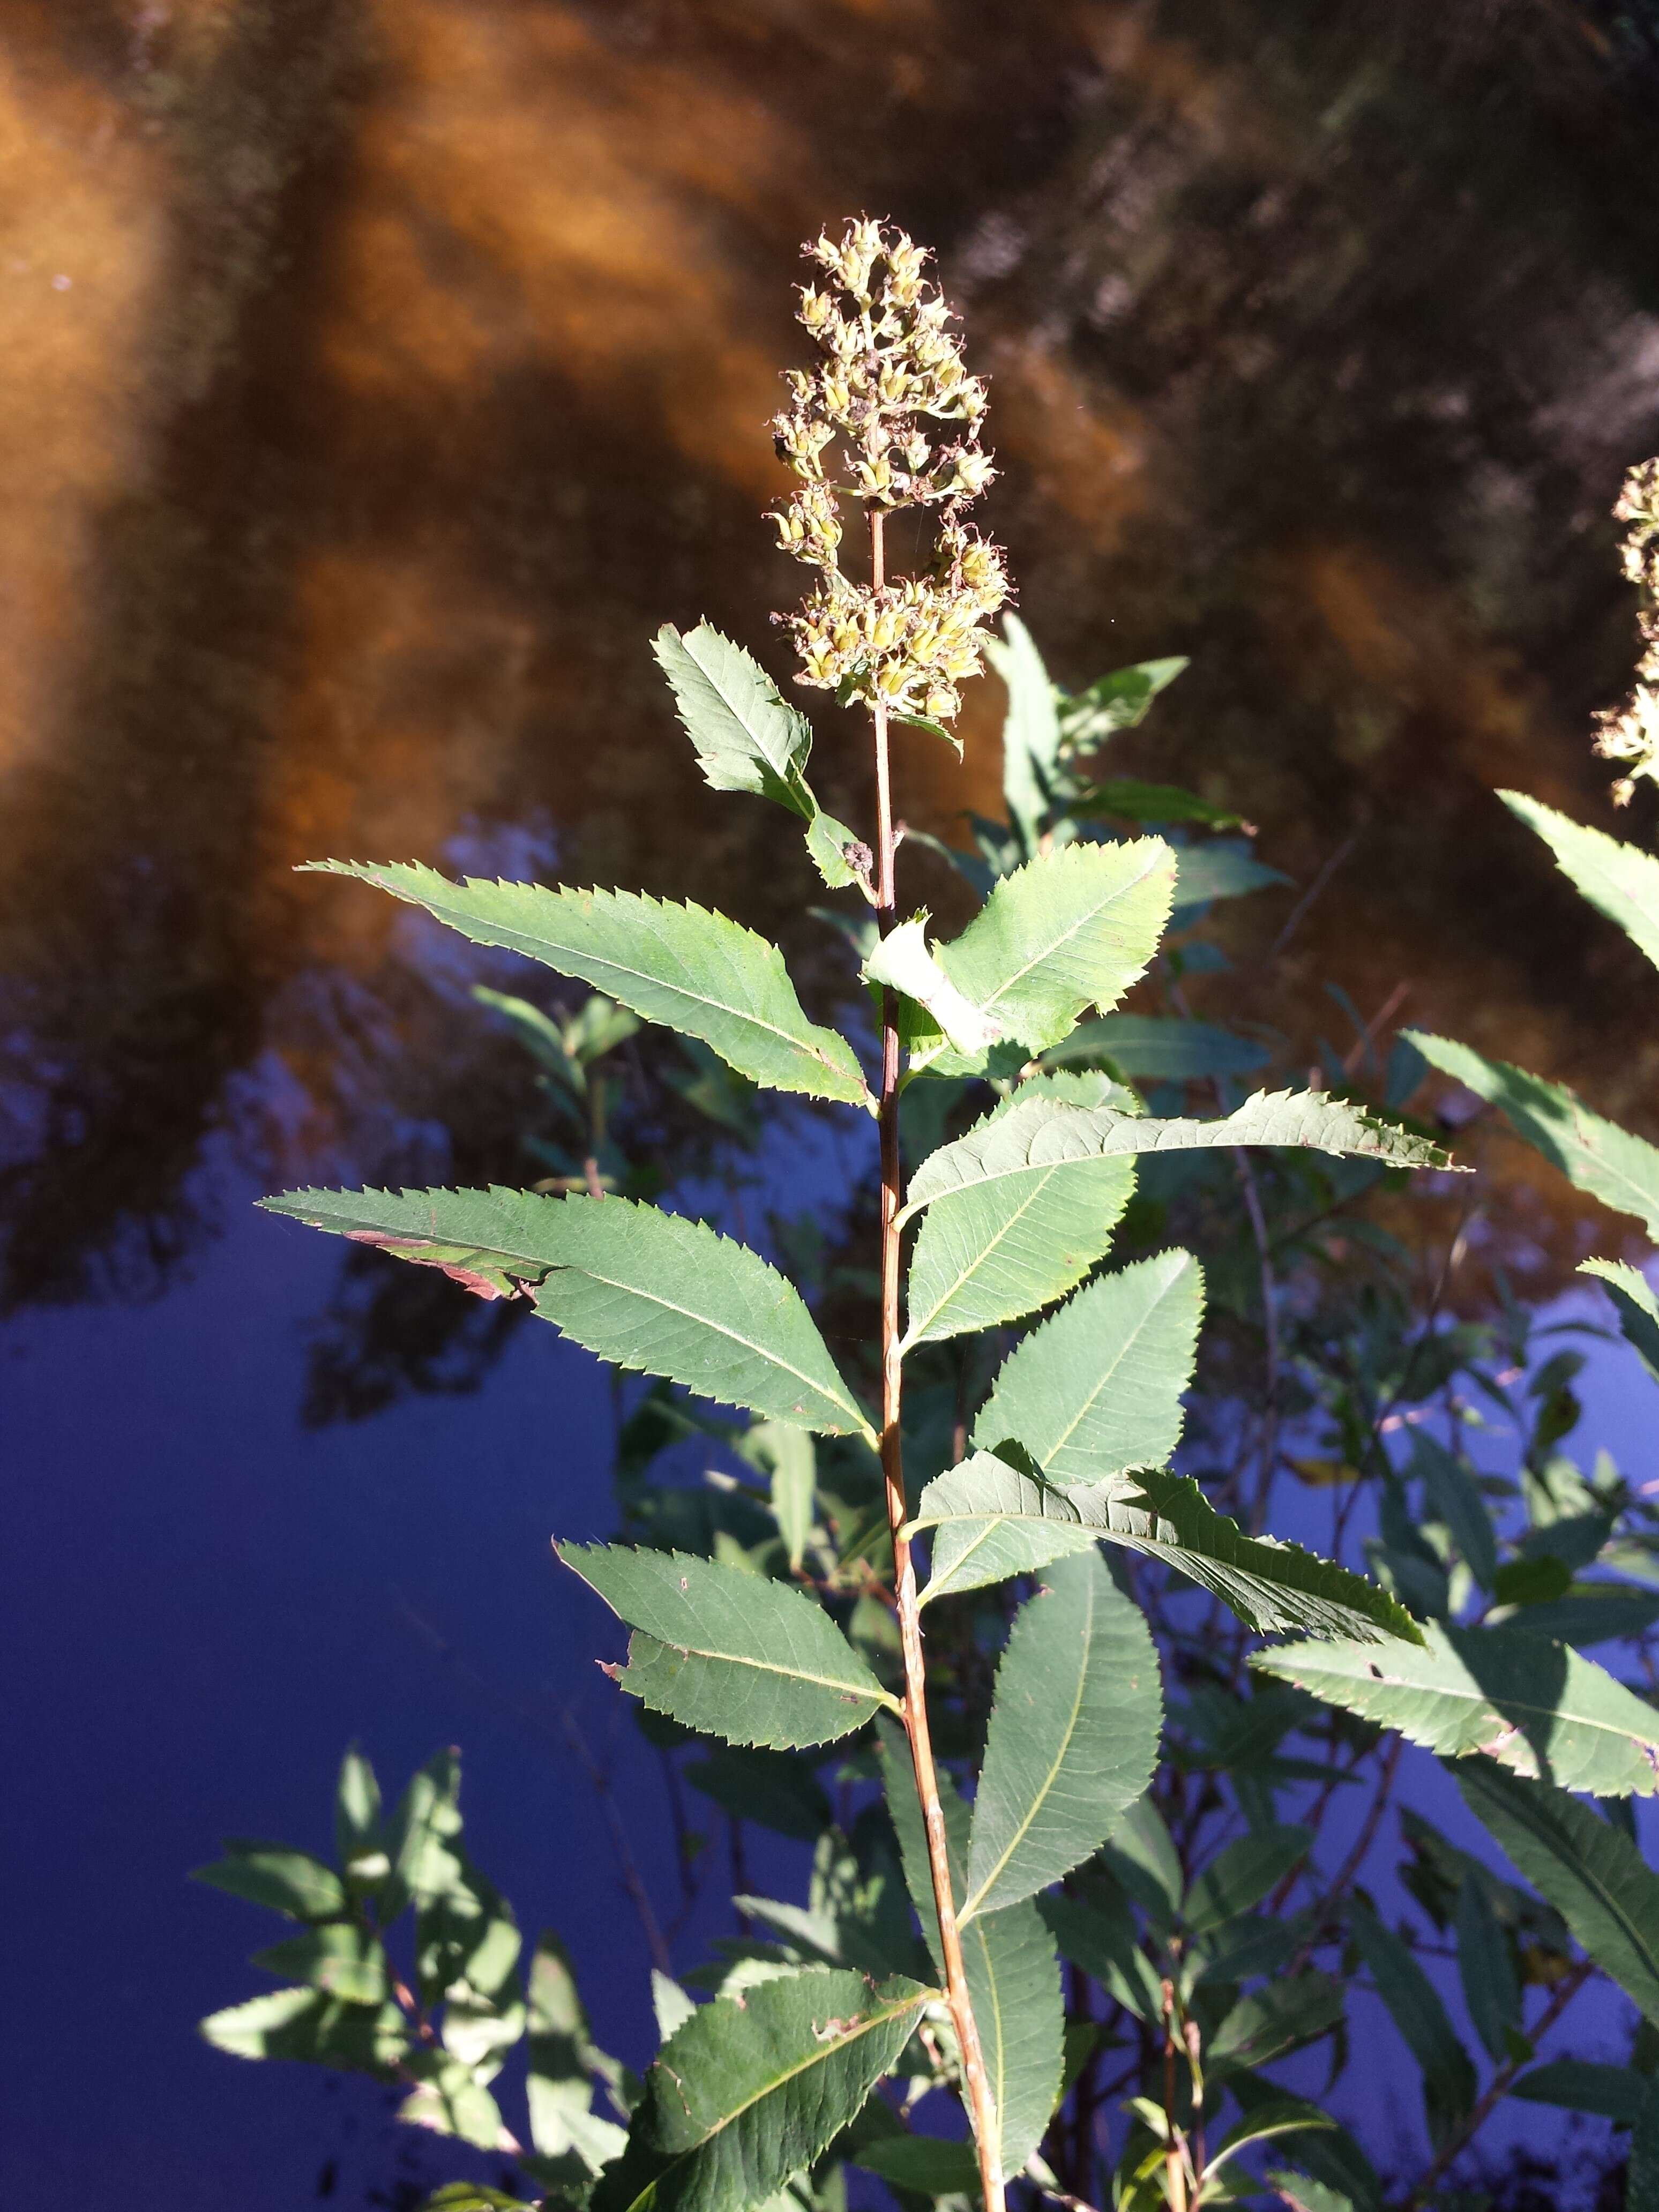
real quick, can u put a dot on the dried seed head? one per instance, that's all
(864, 425)
(1630, 733)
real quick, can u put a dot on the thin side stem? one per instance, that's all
(980, 2102)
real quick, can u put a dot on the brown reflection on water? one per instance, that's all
(412, 366)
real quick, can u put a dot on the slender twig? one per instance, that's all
(1174, 2166)
(1299, 912)
(1563, 1994)
(980, 2102)
(1356, 1858)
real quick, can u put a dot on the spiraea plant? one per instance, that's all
(998, 1726)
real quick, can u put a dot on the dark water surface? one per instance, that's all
(380, 373)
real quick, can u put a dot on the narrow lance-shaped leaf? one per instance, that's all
(1456, 1496)
(1030, 729)
(994, 1250)
(1595, 1156)
(1008, 1957)
(748, 736)
(746, 2093)
(1002, 1145)
(730, 1653)
(1097, 1388)
(1158, 1048)
(290, 1882)
(994, 1520)
(1530, 1706)
(1413, 2003)
(1073, 1736)
(1594, 1877)
(688, 969)
(1622, 880)
(1487, 1970)
(1241, 1876)
(646, 1290)
(1612, 2093)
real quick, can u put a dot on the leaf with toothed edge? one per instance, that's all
(753, 2089)
(1525, 1703)
(494, 1242)
(730, 1653)
(685, 967)
(992, 1519)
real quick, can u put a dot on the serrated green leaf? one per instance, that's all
(1001, 1241)
(1456, 1496)
(1594, 1877)
(1098, 1387)
(746, 2093)
(1487, 1970)
(729, 1653)
(688, 969)
(1595, 1156)
(492, 1242)
(1589, 1613)
(341, 1958)
(747, 736)
(1008, 1958)
(1241, 1876)
(309, 2025)
(1612, 2093)
(1528, 1704)
(996, 1519)
(901, 962)
(1622, 880)
(290, 1882)
(422, 1839)
(1158, 1049)
(1073, 1738)
(1413, 2004)
(1309, 1119)
(654, 1292)
(1072, 929)
(1634, 1302)
(449, 2100)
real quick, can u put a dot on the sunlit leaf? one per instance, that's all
(729, 1653)
(1008, 1957)
(1622, 880)
(746, 2093)
(1528, 1703)
(1073, 1738)
(290, 1882)
(1596, 1156)
(684, 967)
(308, 2024)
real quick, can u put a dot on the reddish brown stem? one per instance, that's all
(980, 2102)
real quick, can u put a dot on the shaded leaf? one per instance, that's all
(1030, 729)
(779, 1791)
(1073, 1738)
(342, 1958)
(1158, 1048)
(1241, 1876)
(1487, 1970)
(1277, 2018)
(1589, 1613)
(1635, 1304)
(563, 2061)
(1456, 1496)
(450, 2101)
(1612, 2093)
(1595, 1156)
(927, 2165)
(1413, 2003)
(1094, 1928)
(688, 969)
(1527, 1703)
(1117, 701)
(1096, 1388)
(1008, 1957)
(1222, 868)
(1594, 1877)
(730, 1653)
(901, 962)
(748, 2092)
(1129, 800)
(290, 1882)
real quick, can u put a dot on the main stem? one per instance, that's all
(980, 2102)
